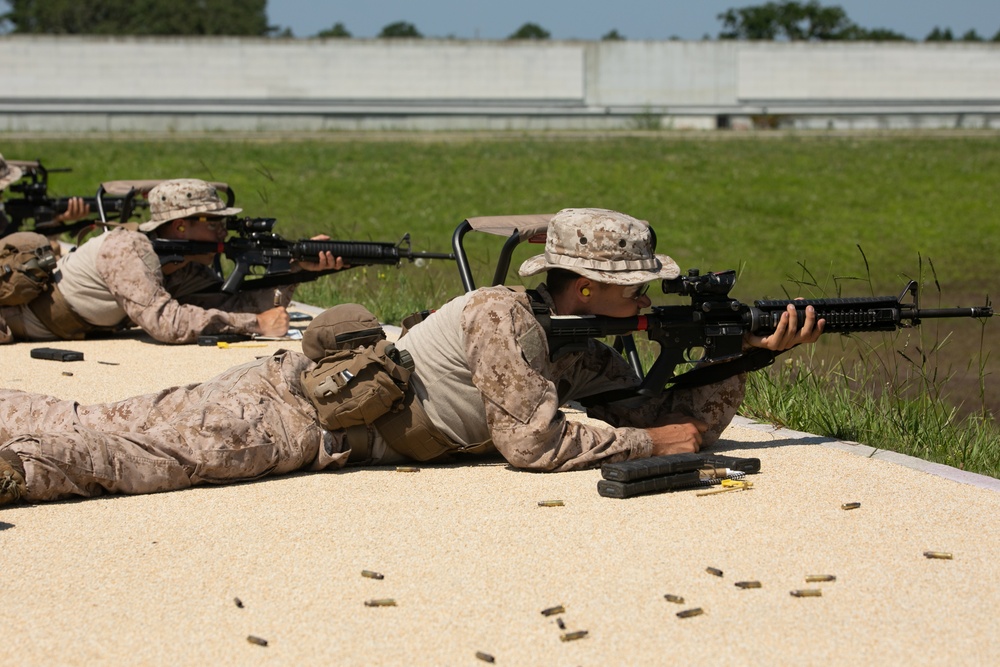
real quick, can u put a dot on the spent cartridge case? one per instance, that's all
(807, 593)
(381, 602)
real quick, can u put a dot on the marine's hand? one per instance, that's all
(787, 334)
(76, 209)
(681, 435)
(327, 262)
(273, 322)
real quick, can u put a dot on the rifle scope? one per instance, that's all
(717, 284)
(248, 226)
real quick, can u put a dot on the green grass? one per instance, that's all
(800, 214)
(763, 204)
(885, 396)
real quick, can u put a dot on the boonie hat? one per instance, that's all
(182, 198)
(8, 173)
(341, 327)
(606, 246)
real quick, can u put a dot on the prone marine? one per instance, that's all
(479, 380)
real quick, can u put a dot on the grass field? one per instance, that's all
(798, 214)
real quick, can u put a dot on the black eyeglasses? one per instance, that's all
(213, 223)
(635, 292)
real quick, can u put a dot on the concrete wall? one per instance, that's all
(870, 73)
(301, 70)
(662, 74)
(79, 83)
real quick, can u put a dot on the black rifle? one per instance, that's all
(715, 323)
(257, 246)
(36, 204)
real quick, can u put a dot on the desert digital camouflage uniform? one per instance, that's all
(484, 377)
(247, 422)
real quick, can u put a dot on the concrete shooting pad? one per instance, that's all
(471, 559)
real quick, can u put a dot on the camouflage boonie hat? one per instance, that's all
(182, 198)
(341, 327)
(8, 173)
(606, 246)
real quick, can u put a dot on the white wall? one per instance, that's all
(662, 73)
(257, 69)
(869, 72)
(82, 83)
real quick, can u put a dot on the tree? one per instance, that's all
(613, 36)
(938, 35)
(814, 22)
(139, 17)
(876, 35)
(338, 30)
(789, 20)
(760, 22)
(530, 31)
(400, 29)
(971, 36)
(996, 37)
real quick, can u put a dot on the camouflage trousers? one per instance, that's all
(715, 404)
(243, 424)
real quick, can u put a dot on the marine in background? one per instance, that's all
(115, 280)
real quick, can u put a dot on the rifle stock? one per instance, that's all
(36, 204)
(715, 324)
(44, 209)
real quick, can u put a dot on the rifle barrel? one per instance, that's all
(974, 311)
(370, 252)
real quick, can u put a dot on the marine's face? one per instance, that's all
(195, 228)
(618, 300)
(205, 228)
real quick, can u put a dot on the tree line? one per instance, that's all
(784, 21)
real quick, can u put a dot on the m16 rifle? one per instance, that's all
(256, 246)
(36, 204)
(715, 323)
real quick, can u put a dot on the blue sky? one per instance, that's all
(590, 19)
